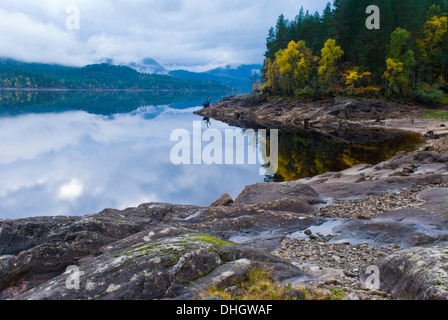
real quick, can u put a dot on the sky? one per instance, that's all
(195, 35)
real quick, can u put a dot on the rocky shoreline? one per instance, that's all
(317, 233)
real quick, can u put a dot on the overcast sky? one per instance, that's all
(196, 34)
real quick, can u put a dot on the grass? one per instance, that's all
(209, 239)
(437, 115)
(260, 285)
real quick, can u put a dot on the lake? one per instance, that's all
(79, 152)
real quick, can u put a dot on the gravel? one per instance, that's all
(372, 206)
(338, 264)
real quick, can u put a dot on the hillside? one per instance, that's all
(14, 74)
(235, 77)
(335, 53)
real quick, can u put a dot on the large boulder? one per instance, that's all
(419, 273)
(289, 196)
(164, 263)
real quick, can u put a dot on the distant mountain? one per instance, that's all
(148, 65)
(14, 74)
(238, 72)
(237, 77)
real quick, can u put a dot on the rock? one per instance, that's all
(293, 197)
(294, 294)
(352, 297)
(376, 292)
(359, 110)
(333, 282)
(350, 274)
(417, 273)
(212, 299)
(167, 267)
(224, 201)
(36, 250)
(234, 291)
(308, 232)
(339, 119)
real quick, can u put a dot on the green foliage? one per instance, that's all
(328, 72)
(408, 56)
(439, 115)
(430, 95)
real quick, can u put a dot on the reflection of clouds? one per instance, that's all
(76, 163)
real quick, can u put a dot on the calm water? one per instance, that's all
(75, 153)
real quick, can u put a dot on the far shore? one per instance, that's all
(108, 90)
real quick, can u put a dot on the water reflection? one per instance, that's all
(76, 163)
(72, 155)
(306, 154)
(15, 102)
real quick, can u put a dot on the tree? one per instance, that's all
(286, 60)
(400, 62)
(328, 72)
(278, 37)
(394, 76)
(355, 78)
(270, 76)
(431, 50)
(295, 66)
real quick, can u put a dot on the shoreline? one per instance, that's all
(384, 212)
(105, 90)
(323, 117)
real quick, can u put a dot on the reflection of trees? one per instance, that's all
(95, 102)
(307, 154)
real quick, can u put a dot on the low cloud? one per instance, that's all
(189, 33)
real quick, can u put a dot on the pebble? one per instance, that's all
(372, 206)
(351, 260)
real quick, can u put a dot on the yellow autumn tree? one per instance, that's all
(328, 72)
(430, 47)
(395, 78)
(305, 67)
(296, 66)
(271, 76)
(354, 78)
(400, 62)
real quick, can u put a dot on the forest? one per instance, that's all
(15, 74)
(334, 53)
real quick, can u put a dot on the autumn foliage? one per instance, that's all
(407, 58)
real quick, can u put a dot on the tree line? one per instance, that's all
(97, 76)
(335, 53)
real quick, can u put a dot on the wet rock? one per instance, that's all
(417, 273)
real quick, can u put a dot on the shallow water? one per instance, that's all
(76, 153)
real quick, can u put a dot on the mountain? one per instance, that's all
(15, 74)
(148, 65)
(237, 77)
(237, 72)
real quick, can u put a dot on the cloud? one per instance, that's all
(74, 163)
(191, 33)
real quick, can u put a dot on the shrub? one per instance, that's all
(430, 95)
